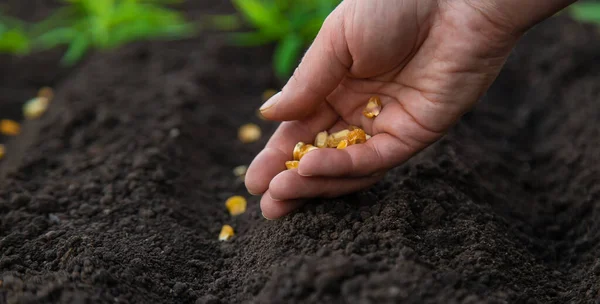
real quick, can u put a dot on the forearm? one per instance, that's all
(519, 15)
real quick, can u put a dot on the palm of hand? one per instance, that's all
(427, 66)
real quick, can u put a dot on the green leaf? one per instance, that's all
(586, 11)
(286, 55)
(259, 14)
(55, 37)
(76, 50)
(14, 41)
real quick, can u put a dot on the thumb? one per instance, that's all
(324, 65)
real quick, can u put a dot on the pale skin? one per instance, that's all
(428, 60)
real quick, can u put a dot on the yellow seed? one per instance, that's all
(334, 139)
(240, 171)
(343, 144)
(35, 107)
(46, 92)
(236, 205)
(249, 133)
(357, 136)
(2, 151)
(268, 94)
(226, 233)
(321, 140)
(373, 107)
(292, 164)
(9, 127)
(300, 149)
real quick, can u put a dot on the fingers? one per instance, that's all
(323, 67)
(288, 191)
(274, 209)
(289, 185)
(270, 161)
(398, 136)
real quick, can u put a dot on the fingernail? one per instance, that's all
(270, 103)
(266, 218)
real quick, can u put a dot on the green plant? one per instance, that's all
(105, 24)
(291, 24)
(14, 38)
(585, 11)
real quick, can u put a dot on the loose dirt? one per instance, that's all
(117, 194)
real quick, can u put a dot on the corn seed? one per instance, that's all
(35, 107)
(334, 139)
(292, 164)
(343, 144)
(46, 92)
(357, 136)
(240, 171)
(321, 140)
(9, 127)
(236, 205)
(249, 133)
(2, 151)
(373, 107)
(268, 94)
(226, 233)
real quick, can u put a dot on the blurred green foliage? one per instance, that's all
(82, 25)
(292, 25)
(14, 38)
(585, 11)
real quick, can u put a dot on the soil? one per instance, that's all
(117, 194)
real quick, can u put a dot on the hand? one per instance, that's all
(428, 60)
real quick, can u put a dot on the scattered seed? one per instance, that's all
(268, 94)
(249, 133)
(226, 233)
(2, 151)
(236, 205)
(9, 127)
(35, 107)
(292, 164)
(373, 107)
(321, 139)
(343, 144)
(46, 92)
(240, 171)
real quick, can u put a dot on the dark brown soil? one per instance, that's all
(117, 194)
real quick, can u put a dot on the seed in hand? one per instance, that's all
(373, 107)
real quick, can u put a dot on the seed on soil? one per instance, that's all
(268, 94)
(249, 133)
(46, 92)
(236, 205)
(2, 151)
(240, 171)
(321, 139)
(226, 233)
(9, 127)
(373, 107)
(292, 164)
(35, 107)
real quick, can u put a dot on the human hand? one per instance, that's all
(428, 60)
